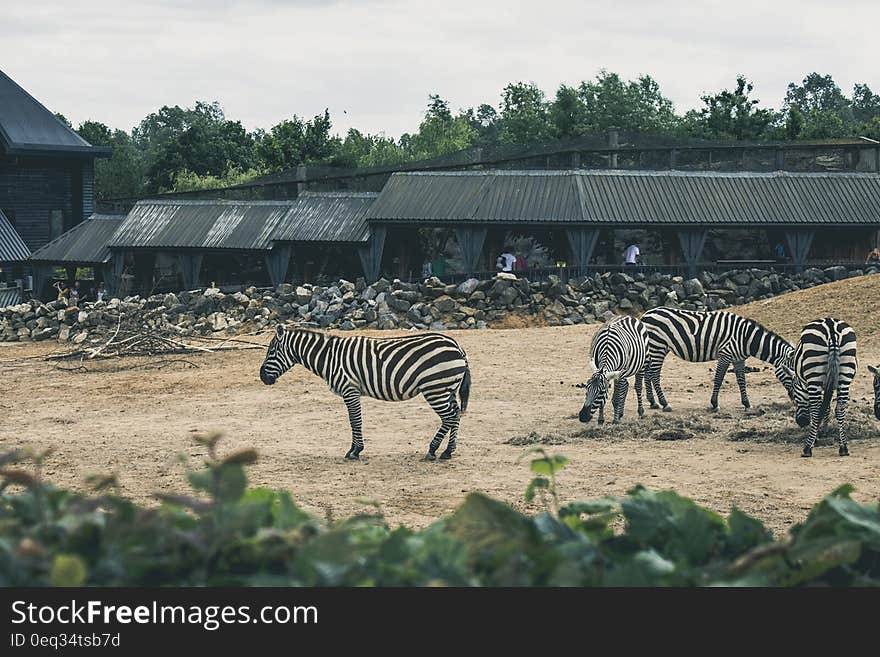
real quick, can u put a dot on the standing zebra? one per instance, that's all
(698, 336)
(824, 362)
(618, 350)
(392, 369)
(876, 372)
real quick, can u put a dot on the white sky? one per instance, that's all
(115, 61)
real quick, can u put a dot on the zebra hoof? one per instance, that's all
(807, 453)
(430, 457)
(713, 408)
(655, 405)
(641, 412)
(353, 456)
(667, 409)
(843, 451)
(446, 455)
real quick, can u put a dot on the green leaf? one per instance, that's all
(534, 484)
(745, 532)
(68, 570)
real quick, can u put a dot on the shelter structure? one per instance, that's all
(573, 210)
(193, 240)
(83, 246)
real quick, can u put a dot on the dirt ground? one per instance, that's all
(137, 423)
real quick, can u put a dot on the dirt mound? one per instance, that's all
(518, 321)
(854, 300)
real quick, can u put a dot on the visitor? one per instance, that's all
(520, 264)
(631, 255)
(75, 293)
(101, 292)
(505, 262)
(427, 270)
(63, 292)
(779, 252)
(873, 258)
(439, 266)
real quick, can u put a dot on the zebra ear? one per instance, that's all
(279, 331)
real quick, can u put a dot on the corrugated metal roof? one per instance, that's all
(9, 296)
(26, 125)
(12, 247)
(326, 217)
(630, 197)
(84, 243)
(244, 225)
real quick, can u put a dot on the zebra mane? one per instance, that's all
(758, 324)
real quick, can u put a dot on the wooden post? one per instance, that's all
(581, 241)
(799, 242)
(692, 241)
(371, 253)
(471, 239)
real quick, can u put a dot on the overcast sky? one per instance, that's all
(373, 63)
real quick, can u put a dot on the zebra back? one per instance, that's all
(620, 346)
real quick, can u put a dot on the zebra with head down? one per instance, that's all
(618, 351)
(876, 372)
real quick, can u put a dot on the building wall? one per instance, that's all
(31, 189)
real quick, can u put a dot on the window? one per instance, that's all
(56, 223)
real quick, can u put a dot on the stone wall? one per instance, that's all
(346, 305)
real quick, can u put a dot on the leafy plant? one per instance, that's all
(227, 534)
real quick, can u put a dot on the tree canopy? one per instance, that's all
(176, 149)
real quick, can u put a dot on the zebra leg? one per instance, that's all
(649, 391)
(655, 379)
(352, 399)
(815, 397)
(639, 378)
(739, 367)
(840, 414)
(453, 429)
(621, 387)
(445, 406)
(721, 368)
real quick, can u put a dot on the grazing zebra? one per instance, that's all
(698, 336)
(391, 369)
(618, 351)
(876, 372)
(824, 362)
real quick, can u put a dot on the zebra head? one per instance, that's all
(801, 399)
(876, 372)
(784, 370)
(279, 357)
(596, 395)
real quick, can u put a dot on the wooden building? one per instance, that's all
(46, 169)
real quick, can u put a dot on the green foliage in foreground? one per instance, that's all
(228, 534)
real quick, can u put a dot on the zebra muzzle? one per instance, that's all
(266, 378)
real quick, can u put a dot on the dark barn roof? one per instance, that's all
(244, 225)
(12, 247)
(327, 217)
(85, 243)
(27, 126)
(630, 197)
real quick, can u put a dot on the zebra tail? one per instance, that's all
(832, 377)
(464, 390)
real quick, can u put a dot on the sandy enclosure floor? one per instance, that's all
(138, 422)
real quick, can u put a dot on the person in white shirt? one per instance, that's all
(505, 261)
(631, 255)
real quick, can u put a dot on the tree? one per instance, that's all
(827, 113)
(865, 103)
(440, 133)
(794, 123)
(200, 140)
(568, 113)
(730, 115)
(524, 115)
(485, 122)
(635, 105)
(365, 150)
(121, 175)
(293, 142)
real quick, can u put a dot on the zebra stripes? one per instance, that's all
(618, 351)
(824, 362)
(391, 369)
(699, 336)
(876, 372)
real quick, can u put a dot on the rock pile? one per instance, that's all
(431, 304)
